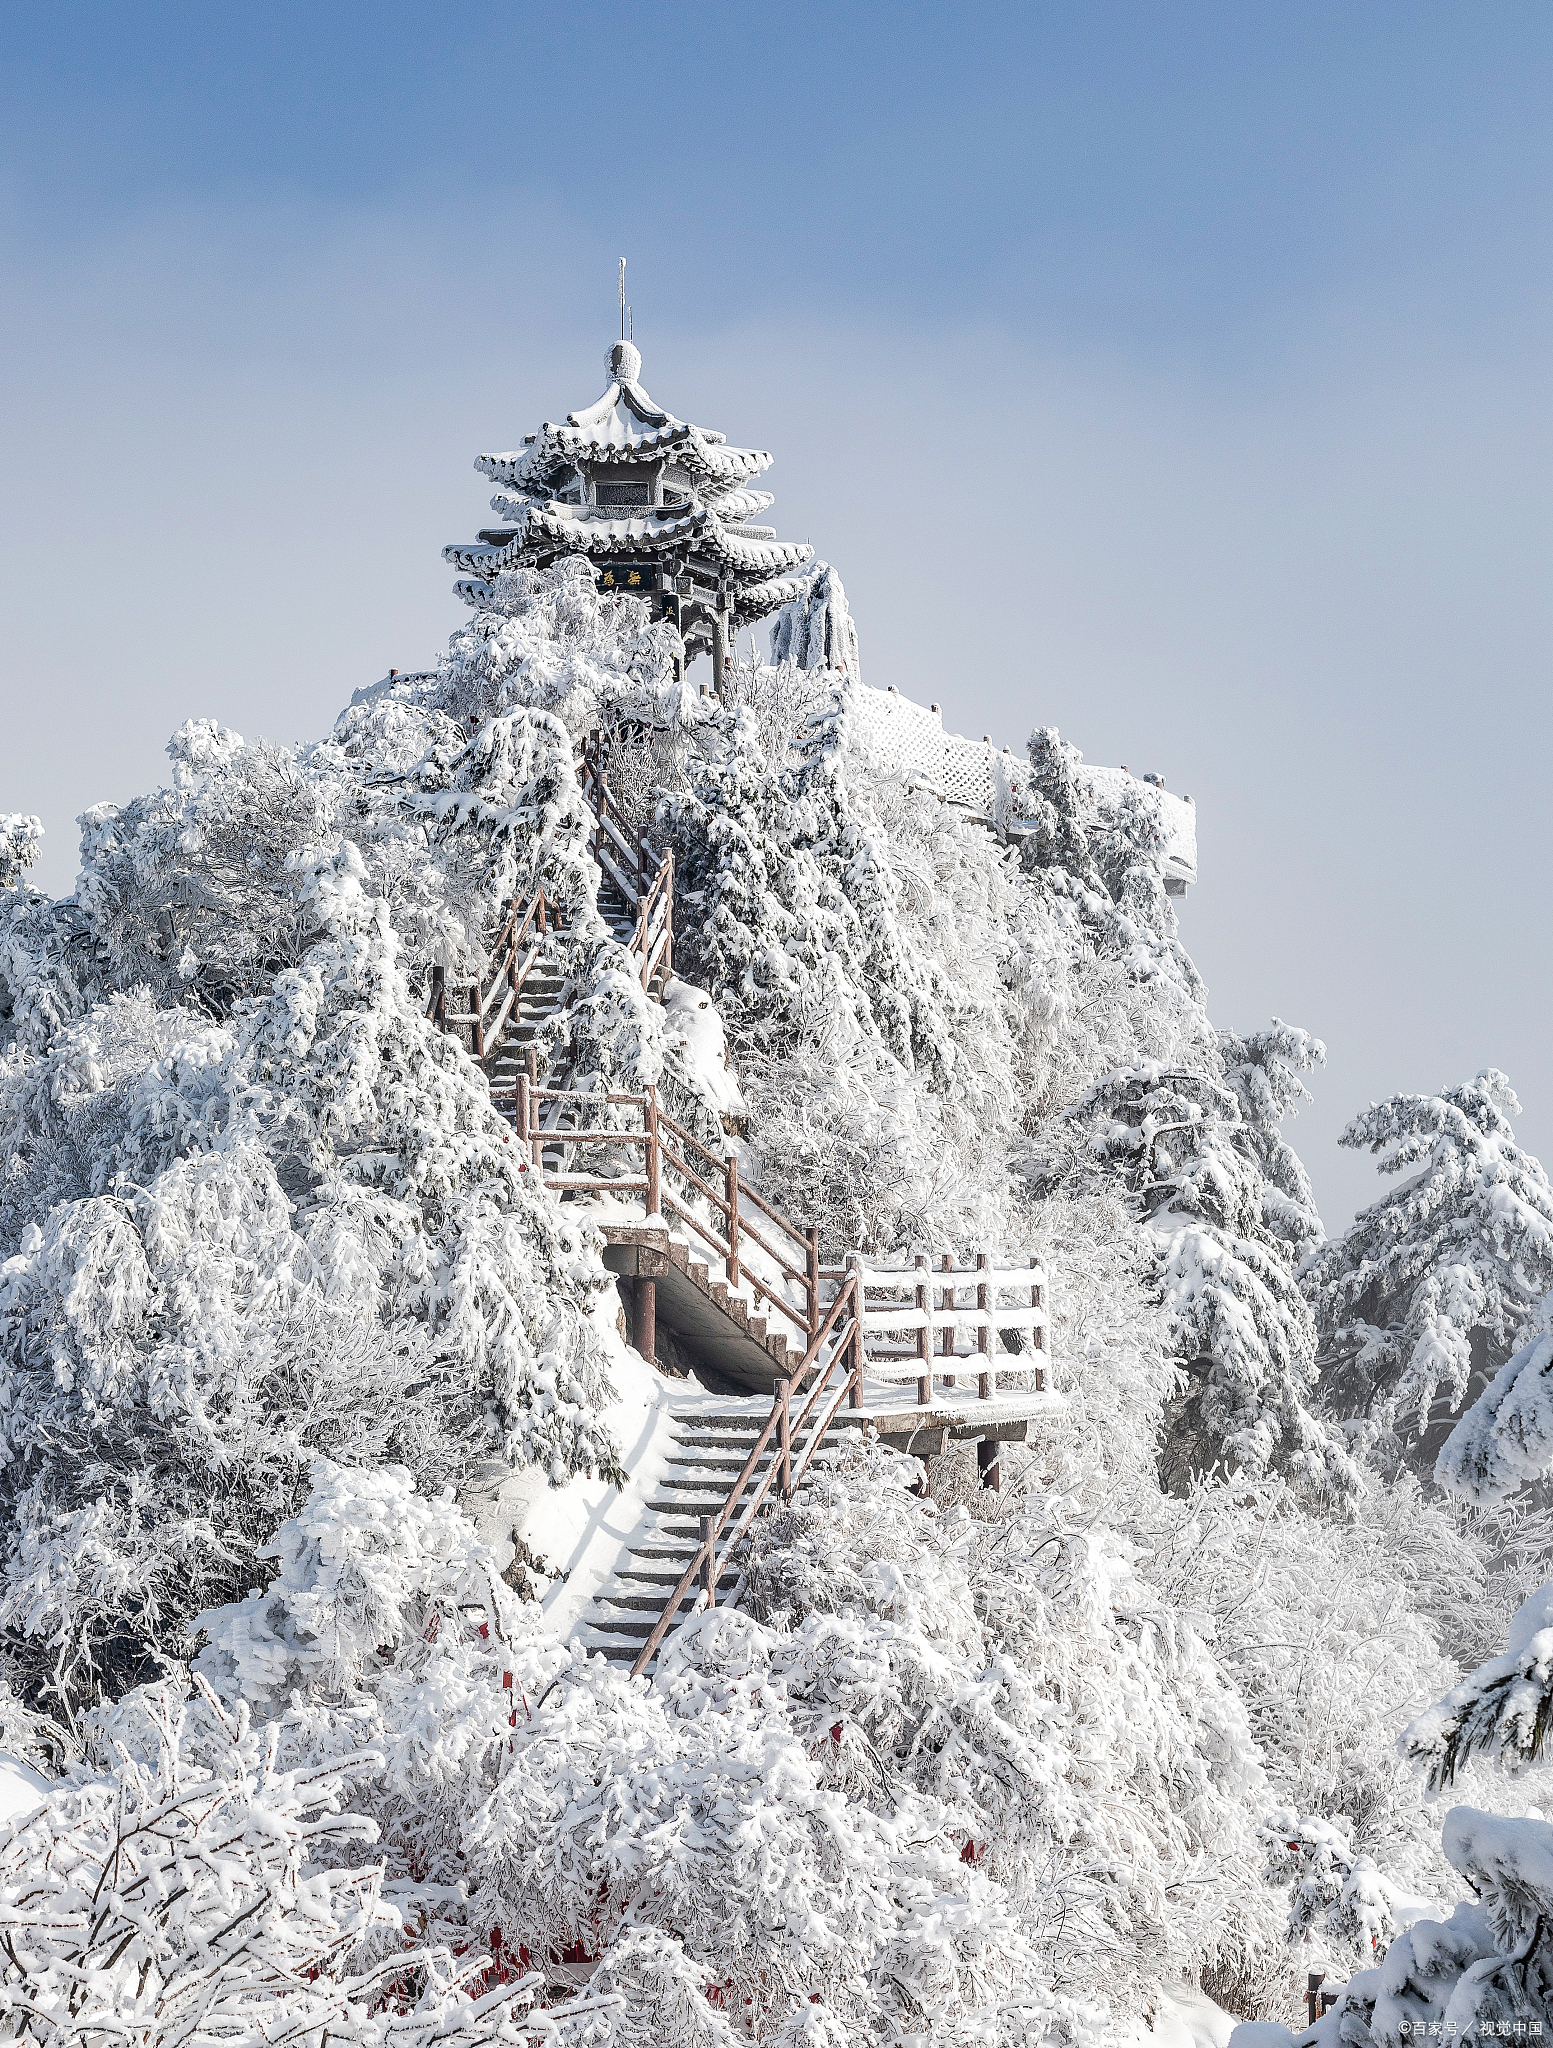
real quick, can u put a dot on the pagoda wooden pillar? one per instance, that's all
(722, 640)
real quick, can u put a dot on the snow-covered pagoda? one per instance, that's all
(661, 508)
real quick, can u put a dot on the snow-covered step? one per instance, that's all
(710, 1449)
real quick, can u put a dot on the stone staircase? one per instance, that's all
(712, 1447)
(539, 1000)
(618, 913)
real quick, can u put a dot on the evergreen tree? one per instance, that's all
(1487, 1970)
(873, 1071)
(1195, 1140)
(1505, 1440)
(1229, 1208)
(1422, 1297)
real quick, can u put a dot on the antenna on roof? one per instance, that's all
(622, 298)
(630, 326)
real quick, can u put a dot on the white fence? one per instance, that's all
(934, 1321)
(992, 782)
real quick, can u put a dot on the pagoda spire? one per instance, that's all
(661, 508)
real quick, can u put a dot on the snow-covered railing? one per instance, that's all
(993, 784)
(644, 878)
(493, 1000)
(903, 739)
(652, 942)
(924, 1323)
(918, 1322)
(647, 1153)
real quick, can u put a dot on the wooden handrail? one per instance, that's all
(502, 966)
(727, 1229)
(689, 1137)
(672, 1205)
(648, 946)
(572, 1095)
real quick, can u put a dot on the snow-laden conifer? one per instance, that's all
(1504, 1442)
(1190, 1123)
(1428, 1287)
(1229, 1207)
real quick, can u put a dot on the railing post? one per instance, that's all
(785, 1440)
(654, 1164)
(707, 1586)
(522, 1109)
(983, 1335)
(855, 1390)
(733, 1219)
(1037, 1335)
(668, 914)
(813, 1263)
(477, 1029)
(924, 1354)
(439, 998)
(950, 1299)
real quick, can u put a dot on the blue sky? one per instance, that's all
(1174, 374)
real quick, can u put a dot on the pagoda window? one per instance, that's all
(622, 494)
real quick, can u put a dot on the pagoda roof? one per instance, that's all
(624, 426)
(575, 529)
(704, 516)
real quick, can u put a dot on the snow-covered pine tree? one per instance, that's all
(1505, 1440)
(1420, 1300)
(19, 840)
(1228, 1205)
(1194, 1138)
(553, 642)
(869, 1062)
(49, 968)
(816, 630)
(299, 1231)
(768, 847)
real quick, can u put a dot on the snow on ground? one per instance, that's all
(694, 1021)
(1185, 2018)
(21, 1788)
(582, 1531)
